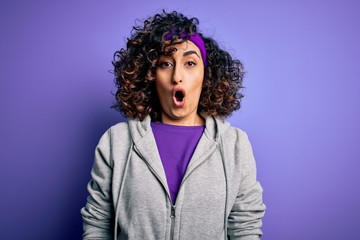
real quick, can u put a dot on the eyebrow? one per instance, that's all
(189, 53)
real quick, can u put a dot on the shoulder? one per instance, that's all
(115, 133)
(218, 127)
(235, 134)
(115, 143)
(236, 142)
(236, 131)
(119, 128)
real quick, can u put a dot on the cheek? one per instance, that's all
(198, 81)
(159, 89)
(159, 82)
(195, 77)
(199, 76)
(162, 77)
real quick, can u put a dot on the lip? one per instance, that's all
(175, 101)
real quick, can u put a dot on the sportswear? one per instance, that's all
(219, 197)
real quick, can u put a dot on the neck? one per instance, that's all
(196, 121)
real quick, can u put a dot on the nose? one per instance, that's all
(177, 75)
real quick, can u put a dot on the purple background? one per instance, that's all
(301, 109)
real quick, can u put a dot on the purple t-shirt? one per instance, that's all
(176, 145)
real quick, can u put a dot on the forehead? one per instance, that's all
(183, 47)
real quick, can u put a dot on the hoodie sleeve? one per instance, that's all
(98, 214)
(245, 218)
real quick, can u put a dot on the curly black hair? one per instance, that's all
(135, 69)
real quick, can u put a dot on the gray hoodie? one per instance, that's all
(219, 197)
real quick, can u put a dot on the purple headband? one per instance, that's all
(196, 39)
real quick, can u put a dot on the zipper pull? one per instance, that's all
(172, 212)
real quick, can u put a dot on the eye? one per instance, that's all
(191, 64)
(165, 64)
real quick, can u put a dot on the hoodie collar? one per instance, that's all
(144, 144)
(214, 127)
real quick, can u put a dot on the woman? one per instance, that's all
(176, 169)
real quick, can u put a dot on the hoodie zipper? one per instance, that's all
(172, 226)
(172, 212)
(172, 215)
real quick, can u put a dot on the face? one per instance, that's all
(179, 79)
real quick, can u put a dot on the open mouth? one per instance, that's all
(179, 96)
